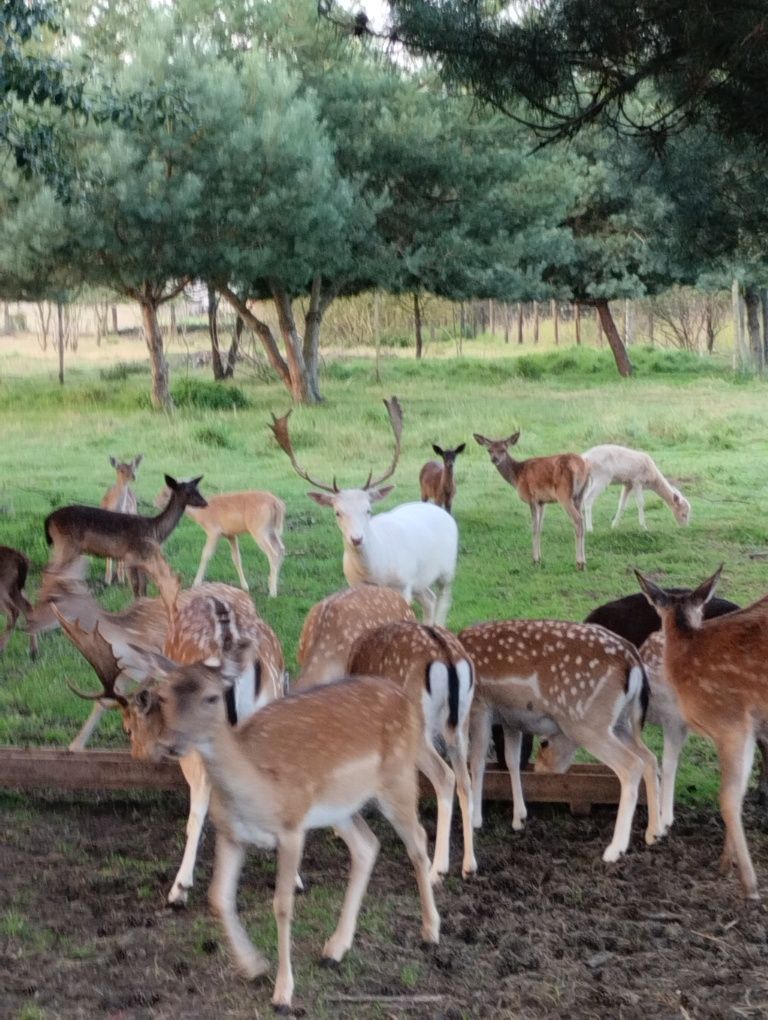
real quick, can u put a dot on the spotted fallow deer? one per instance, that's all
(550, 677)
(436, 480)
(561, 478)
(121, 498)
(410, 548)
(438, 677)
(333, 625)
(717, 669)
(307, 761)
(14, 567)
(205, 620)
(231, 514)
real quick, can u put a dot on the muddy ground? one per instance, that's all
(546, 930)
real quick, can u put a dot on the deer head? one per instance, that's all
(449, 456)
(498, 449)
(686, 606)
(126, 470)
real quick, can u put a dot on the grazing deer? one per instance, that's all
(437, 676)
(540, 480)
(230, 514)
(121, 498)
(205, 621)
(307, 761)
(436, 480)
(333, 625)
(14, 567)
(77, 530)
(549, 677)
(633, 470)
(410, 548)
(717, 670)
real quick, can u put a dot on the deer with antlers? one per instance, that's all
(561, 479)
(410, 548)
(121, 498)
(14, 567)
(436, 479)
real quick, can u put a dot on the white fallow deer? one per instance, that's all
(333, 625)
(717, 668)
(121, 498)
(308, 761)
(436, 674)
(561, 478)
(77, 530)
(14, 567)
(410, 548)
(634, 470)
(436, 480)
(548, 677)
(231, 514)
(205, 620)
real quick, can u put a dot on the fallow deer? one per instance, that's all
(410, 548)
(552, 676)
(437, 676)
(121, 498)
(205, 620)
(77, 530)
(14, 567)
(230, 514)
(561, 478)
(436, 480)
(308, 761)
(634, 470)
(333, 625)
(717, 669)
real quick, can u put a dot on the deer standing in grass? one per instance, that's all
(410, 548)
(718, 671)
(77, 530)
(230, 514)
(561, 479)
(549, 677)
(307, 761)
(436, 480)
(121, 498)
(14, 567)
(333, 626)
(436, 674)
(205, 621)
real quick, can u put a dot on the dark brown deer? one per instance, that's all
(121, 498)
(14, 567)
(436, 480)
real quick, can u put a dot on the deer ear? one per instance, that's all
(137, 460)
(512, 439)
(321, 498)
(481, 439)
(113, 462)
(655, 595)
(460, 448)
(154, 663)
(437, 449)
(376, 494)
(196, 481)
(706, 589)
(171, 482)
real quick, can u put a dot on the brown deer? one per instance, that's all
(717, 670)
(550, 677)
(121, 498)
(436, 674)
(77, 530)
(307, 761)
(333, 625)
(14, 567)
(205, 620)
(230, 514)
(436, 480)
(561, 479)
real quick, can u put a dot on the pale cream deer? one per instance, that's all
(14, 567)
(436, 674)
(121, 498)
(635, 471)
(549, 677)
(561, 478)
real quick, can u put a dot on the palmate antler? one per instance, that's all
(279, 427)
(98, 652)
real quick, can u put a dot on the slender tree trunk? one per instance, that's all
(161, 394)
(520, 316)
(709, 325)
(312, 323)
(60, 321)
(461, 320)
(7, 320)
(752, 301)
(764, 308)
(234, 347)
(491, 323)
(577, 322)
(740, 357)
(535, 322)
(506, 323)
(263, 332)
(615, 342)
(213, 331)
(294, 353)
(417, 325)
(555, 308)
(599, 329)
(114, 320)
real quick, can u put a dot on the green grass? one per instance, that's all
(705, 426)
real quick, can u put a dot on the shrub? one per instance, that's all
(189, 392)
(121, 371)
(214, 437)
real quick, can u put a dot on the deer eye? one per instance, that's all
(544, 743)
(211, 699)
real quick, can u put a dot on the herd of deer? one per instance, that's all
(199, 676)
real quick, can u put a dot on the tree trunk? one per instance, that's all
(599, 329)
(506, 323)
(263, 332)
(709, 325)
(764, 307)
(234, 347)
(752, 301)
(114, 320)
(294, 354)
(213, 332)
(577, 322)
(740, 358)
(318, 305)
(161, 394)
(491, 323)
(535, 322)
(60, 319)
(520, 318)
(615, 342)
(555, 309)
(417, 325)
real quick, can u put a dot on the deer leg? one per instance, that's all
(479, 735)
(363, 850)
(612, 751)
(537, 517)
(222, 897)
(234, 548)
(623, 500)
(736, 756)
(199, 798)
(290, 847)
(513, 739)
(208, 550)
(578, 524)
(428, 602)
(651, 779)
(272, 546)
(443, 782)
(675, 735)
(444, 600)
(586, 506)
(85, 731)
(120, 572)
(639, 495)
(762, 782)
(457, 754)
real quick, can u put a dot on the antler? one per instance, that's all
(395, 412)
(98, 652)
(279, 428)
